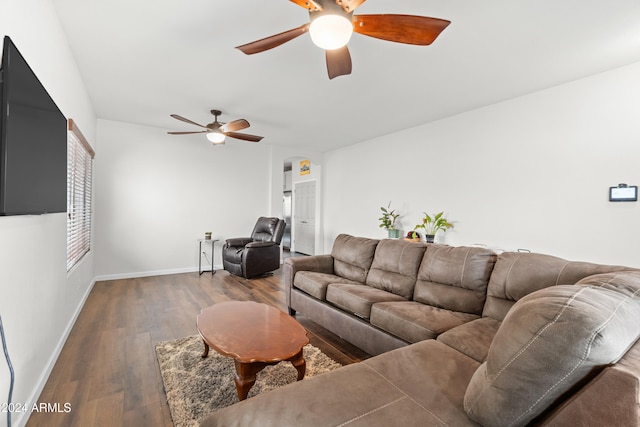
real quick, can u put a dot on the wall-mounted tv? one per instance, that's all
(33, 141)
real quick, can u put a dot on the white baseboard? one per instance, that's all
(133, 275)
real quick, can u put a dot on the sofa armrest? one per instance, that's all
(317, 263)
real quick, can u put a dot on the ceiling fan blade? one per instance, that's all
(273, 41)
(175, 116)
(349, 5)
(235, 125)
(244, 136)
(310, 5)
(338, 62)
(409, 29)
(187, 133)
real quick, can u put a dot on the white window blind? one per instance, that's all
(79, 171)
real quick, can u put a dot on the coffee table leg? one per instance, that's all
(205, 353)
(246, 377)
(300, 364)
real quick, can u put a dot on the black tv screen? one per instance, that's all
(33, 132)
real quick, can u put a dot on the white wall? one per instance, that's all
(156, 194)
(532, 172)
(38, 299)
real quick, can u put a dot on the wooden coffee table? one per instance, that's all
(255, 335)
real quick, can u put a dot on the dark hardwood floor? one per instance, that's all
(108, 370)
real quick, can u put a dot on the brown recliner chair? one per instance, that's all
(256, 255)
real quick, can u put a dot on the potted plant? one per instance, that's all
(388, 221)
(432, 225)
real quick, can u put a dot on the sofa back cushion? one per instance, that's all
(550, 342)
(395, 266)
(517, 274)
(620, 383)
(454, 278)
(352, 256)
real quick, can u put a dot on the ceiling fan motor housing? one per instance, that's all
(329, 7)
(215, 125)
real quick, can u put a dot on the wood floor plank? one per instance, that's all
(108, 369)
(109, 410)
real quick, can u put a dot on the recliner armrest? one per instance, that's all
(238, 242)
(260, 244)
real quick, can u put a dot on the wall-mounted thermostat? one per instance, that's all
(623, 193)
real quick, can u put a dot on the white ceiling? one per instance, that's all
(142, 60)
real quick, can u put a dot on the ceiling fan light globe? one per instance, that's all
(331, 32)
(215, 137)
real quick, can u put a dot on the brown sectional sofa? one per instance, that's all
(463, 337)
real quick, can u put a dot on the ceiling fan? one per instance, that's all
(217, 131)
(332, 22)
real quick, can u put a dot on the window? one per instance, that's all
(79, 167)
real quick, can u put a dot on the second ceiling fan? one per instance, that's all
(332, 22)
(217, 131)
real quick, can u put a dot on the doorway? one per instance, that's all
(304, 217)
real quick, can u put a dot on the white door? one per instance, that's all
(304, 217)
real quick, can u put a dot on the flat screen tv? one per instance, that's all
(33, 138)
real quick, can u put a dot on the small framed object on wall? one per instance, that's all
(305, 167)
(623, 193)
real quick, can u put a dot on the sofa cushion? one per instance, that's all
(473, 338)
(625, 282)
(395, 266)
(517, 274)
(413, 321)
(620, 383)
(315, 284)
(550, 341)
(432, 375)
(421, 384)
(454, 278)
(352, 256)
(358, 299)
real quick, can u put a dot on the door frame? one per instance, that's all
(290, 161)
(315, 216)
